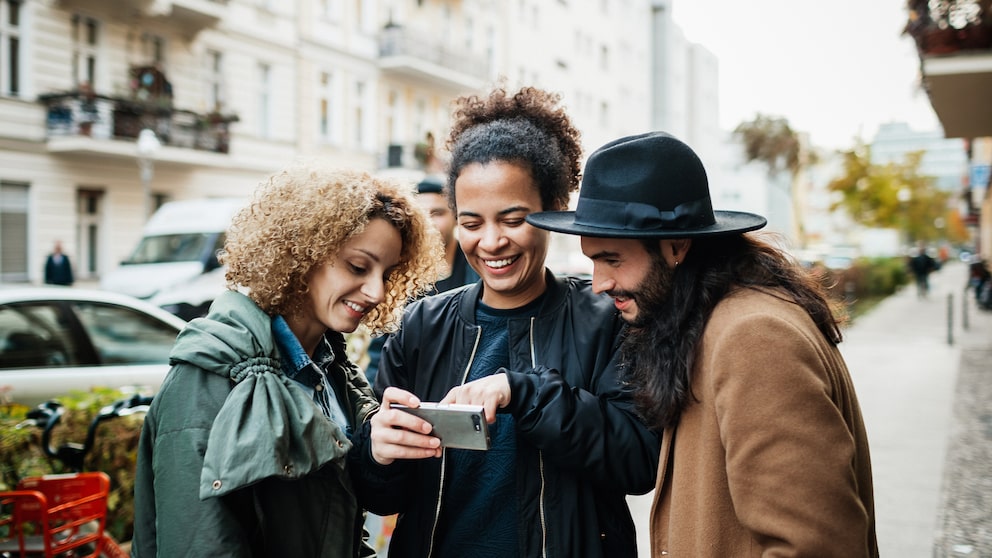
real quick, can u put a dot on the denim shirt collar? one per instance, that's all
(296, 363)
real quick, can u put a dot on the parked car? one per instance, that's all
(54, 340)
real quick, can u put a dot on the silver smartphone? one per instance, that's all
(458, 426)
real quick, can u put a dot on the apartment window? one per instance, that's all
(392, 117)
(215, 80)
(153, 49)
(85, 45)
(491, 47)
(604, 57)
(365, 11)
(604, 114)
(446, 25)
(469, 34)
(420, 119)
(264, 72)
(359, 113)
(325, 107)
(13, 231)
(89, 215)
(10, 47)
(329, 9)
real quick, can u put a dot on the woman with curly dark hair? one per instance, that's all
(245, 450)
(537, 352)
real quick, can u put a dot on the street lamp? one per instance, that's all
(148, 146)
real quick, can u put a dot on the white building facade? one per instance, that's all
(236, 89)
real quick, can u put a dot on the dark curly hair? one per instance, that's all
(529, 128)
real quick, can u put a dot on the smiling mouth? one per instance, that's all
(355, 307)
(501, 263)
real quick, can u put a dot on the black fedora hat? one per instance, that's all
(645, 186)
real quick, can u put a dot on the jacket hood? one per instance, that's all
(265, 425)
(235, 329)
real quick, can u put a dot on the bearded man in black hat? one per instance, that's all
(732, 350)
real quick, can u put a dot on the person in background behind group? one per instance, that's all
(430, 195)
(244, 451)
(58, 270)
(732, 351)
(922, 265)
(537, 351)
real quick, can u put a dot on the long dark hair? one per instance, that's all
(659, 355)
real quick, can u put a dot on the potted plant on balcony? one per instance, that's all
(930, 26)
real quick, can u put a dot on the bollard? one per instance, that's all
(964, 309)
(950, 318)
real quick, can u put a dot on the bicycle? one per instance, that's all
(63, 514)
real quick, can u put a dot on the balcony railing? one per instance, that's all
(404, 50)
(78, 113)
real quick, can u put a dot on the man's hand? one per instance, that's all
(397, 434)
(492, 392)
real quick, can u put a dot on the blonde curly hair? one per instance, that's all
(299, 218)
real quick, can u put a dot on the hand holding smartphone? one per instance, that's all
(457, 426)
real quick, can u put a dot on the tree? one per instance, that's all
(893, 195)
(770, 140)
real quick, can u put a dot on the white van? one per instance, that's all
(175, 264)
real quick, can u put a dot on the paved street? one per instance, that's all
(927, 404)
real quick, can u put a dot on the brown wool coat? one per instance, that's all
(771, 458)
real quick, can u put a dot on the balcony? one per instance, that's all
(192, 16)
(954, 41)
(407, 54)
(81, 122)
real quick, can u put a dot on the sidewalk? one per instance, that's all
(926, 405)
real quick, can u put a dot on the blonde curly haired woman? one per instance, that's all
(244, 451)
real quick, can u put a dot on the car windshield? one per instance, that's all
(186, 247)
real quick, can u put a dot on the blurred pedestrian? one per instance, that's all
(536, 351)
(245, 450)
(58, 269)
(732, 353)
(922, 265)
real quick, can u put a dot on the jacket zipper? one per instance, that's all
(540, 456)
(444, 452)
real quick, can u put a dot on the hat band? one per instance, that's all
(635, 216)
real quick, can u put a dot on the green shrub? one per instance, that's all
(866, 282)
(114, 450)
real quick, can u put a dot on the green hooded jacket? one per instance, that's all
(235, 458)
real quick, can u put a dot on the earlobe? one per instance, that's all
(679, 249)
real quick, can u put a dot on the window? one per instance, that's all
(329, 9)
(264, 72)
(13, 231)
(392, 117)
(89, 216)
(325, 107)
(123, 335)
(153, 49)
(215, 80)
(469, 34)
(359, 112)
(420, 119)
(85, 45)
(10, 47)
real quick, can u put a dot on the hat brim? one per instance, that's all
(727, 222)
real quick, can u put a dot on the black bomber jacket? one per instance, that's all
(580, 446)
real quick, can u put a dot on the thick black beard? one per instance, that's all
(650, 349)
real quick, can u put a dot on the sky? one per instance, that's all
(835, 70)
